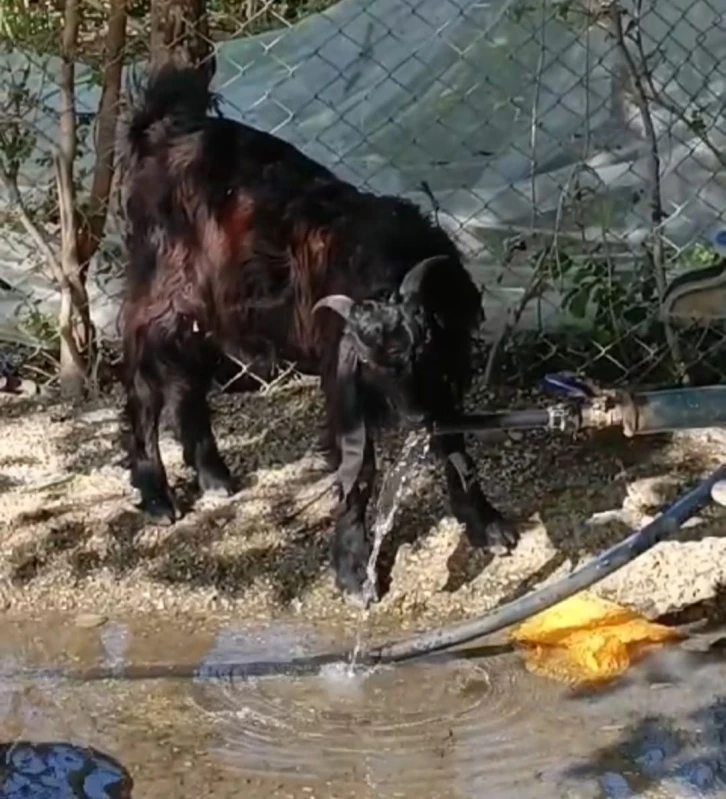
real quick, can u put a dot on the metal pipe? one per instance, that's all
(642, 413)
(651, 412)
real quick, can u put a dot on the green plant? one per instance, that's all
(615, 303)
(698, 256)
(38, 325)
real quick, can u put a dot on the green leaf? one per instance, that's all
(576, 301)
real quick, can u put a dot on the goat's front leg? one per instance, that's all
(351, 543)
(485, 526)
(346, 440)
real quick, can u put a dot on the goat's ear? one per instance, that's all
(337, 302)
(412, 282)
(352, 435)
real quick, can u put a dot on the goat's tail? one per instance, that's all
(178, 96)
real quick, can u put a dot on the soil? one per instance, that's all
(73, 540)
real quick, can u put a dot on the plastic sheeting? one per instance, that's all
(392, 93)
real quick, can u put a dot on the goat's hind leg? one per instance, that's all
(144, 403)
(485, 526)
(188, 397)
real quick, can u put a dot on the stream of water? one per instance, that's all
(394, 488)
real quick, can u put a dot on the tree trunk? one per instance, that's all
(80, 237)
(180, 34)
(74, 334)
(94, 223)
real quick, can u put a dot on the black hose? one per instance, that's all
(427, 643)
(529, 419)
(613, 559)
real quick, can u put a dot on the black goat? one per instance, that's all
(235, 240)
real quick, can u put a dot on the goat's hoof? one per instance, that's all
(160, 511)
(360, 600)
(216, 493)
(360, 597)
(502, 536)
(216, 486)
(314, 462)
(214, 497)
(354, 587)
(350, 554)
(499, 536)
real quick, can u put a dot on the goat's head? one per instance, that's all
(395, 341)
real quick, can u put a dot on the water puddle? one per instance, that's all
(451, 727)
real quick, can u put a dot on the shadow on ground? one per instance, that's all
(678, 756)
(61, 769)
(264, 537)
(182, 554)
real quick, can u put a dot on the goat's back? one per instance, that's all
(224, 219)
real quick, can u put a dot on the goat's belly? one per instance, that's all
(260, 355)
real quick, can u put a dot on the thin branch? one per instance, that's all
(657, 214)
(31, 227)
(511, 320)
(244, 370)
(69, 254)
(535, 107)
(641, 100)
(290, 369)
(662, 98)
(67, 144)
(108, 112)
(64, 158)
(494, 351)
(426, 188)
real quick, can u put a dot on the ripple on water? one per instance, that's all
(419, 726)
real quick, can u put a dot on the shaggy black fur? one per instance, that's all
(233, 237)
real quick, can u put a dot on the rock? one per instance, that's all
(718, 492)
(653, 492)
(90, 620)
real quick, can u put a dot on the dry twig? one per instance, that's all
(655, 252)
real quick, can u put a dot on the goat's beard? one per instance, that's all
(409, 413)
(396, 402)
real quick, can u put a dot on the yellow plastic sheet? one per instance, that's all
(586, 639)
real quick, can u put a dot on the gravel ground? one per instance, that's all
(73, 540)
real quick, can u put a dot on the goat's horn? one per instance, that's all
(336, 302)
(412, 282)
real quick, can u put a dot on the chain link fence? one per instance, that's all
(575, 149)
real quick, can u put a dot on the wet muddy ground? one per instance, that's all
(85, 581)
(451, 729)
